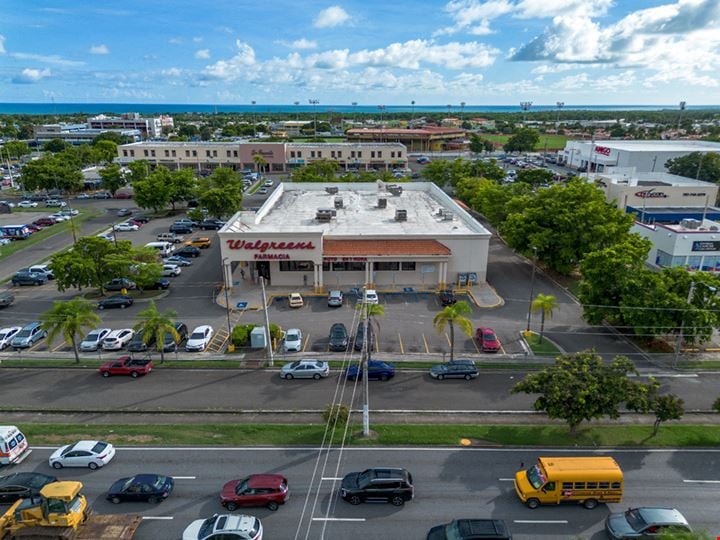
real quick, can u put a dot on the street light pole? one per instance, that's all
(525, 106)
(532, 289)
(365, 367)
(314, 103)
(253, 118)
(560, 105)
(227, 300)
(267, 321)
(682, 108)
(645, 198)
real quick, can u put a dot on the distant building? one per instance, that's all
(644, 156)
(424, 139)
(691, 244)
(149, 127)
(77, 133)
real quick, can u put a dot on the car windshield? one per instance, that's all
(23, 333)
(207, 527)
(295, 364)
(198, 335)
(489, 336)
(535, 477)
(241, 487)
(338, 331)
(292, 336)
(635, 520)
(255, 528)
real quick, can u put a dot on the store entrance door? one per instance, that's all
(263, 268)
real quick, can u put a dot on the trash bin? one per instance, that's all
(258, 338)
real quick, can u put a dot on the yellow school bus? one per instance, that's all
(583, 480)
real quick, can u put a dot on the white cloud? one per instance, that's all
(197, 39)
(172, 72)
(528, 9)
(202, 54)
(175, 40)
(332, 16)
(31, 75)
(2, 44)
(301, 43)
(52, 59)
(473, 16)
(99, 49)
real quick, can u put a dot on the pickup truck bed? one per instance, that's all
(126, 366)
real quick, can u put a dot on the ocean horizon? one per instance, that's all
(171, 108)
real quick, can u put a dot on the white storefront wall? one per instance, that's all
(650, 196)
(691, 249)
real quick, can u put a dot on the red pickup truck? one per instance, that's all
(126, 366)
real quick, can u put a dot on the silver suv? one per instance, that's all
(28, 336)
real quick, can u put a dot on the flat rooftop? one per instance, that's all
(675, 209)
(650, 179)
(657, 146)
(292, 208)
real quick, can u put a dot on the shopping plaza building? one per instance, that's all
(385, 236)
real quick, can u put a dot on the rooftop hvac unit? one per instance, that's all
(332, 190)
(382, 202)
(690, 223)
(440, 212)
(448, 216)
(400, 215)
(325, 214)
(338, 202)
(713, 227)
(395, 190)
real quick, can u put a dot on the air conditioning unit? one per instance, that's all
(395, 190)
(332, 190)
(448, 216)
(690, 223)
(338, 202)
(440, 212)
(400, 215)
(325, 214)
(382, 202)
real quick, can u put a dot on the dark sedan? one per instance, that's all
(187, 251)
(161, 283)
(138, 343)
(211, 224)
(456, 369)
(377, 370)
(118, 301)
(447, 297)
(339, 338)
(151, 488)
(181, 228)
(22, 485)
(169, 343)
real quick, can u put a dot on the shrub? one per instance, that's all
(336, 414)
(275, 331)
(241, 334)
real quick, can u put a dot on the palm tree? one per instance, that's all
(260, 163)
(372, 311)
(544, 303)
(69, 318)
(452, 315)
(154, 324)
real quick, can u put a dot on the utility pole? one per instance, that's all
(532, 290)
(462, 111)
(267, 322)
(253, 118)
(412, 113)
(354, 104)
(365, 367)
(560, 105)
(297, 116)
(231, 346)
(525, 106)
(682, 108)
(314, 103)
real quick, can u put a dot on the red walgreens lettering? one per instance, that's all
(262, 247)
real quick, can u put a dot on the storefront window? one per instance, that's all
(386, 266)
(709, 263)
(663, 259)
(296, 266)
(349, 266)
(678, 260)
(693, 262)
(408, 266)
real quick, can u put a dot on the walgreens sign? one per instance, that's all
(265, 250)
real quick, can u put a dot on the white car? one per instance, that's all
(225, 527)
(27, 204)
(371, 296)
(199, 339)
(42, 269)
(171, 270)
(6, 334)
(126, 227)
(268, 183)
(69, 212)
(293, 340)
(117, 339)
(91, 454)
(60, 217)
(94, 339)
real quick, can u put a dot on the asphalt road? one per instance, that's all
(449, 483)
(204, 389)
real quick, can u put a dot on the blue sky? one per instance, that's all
(490, 52)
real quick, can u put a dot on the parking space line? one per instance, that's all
(502, 349)
(58, 347)
(158, 517)
(34, 347)
(701, 481)
(338, 519)
(402, 349)
(427, 349)
(541, 521)
(377, 343)
(448, 339)
(307, 340)
(472, 340)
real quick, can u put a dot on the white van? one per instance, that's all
(13, 445)
(165, 248)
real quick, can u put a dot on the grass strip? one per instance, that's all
(546, 348)
(675, 436)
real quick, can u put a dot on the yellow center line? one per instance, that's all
(402, 349)
(427, 349)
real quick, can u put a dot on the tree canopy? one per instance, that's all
(700, 165)
(51, 172)
(112, 178)
(523, 140)
(221, 192)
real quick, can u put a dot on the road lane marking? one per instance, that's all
(540, 521)
(427, 349)
(332, 478)
(702, 481)
(502, 349)
(184, 477)
(158, 517)
(402, 349)
(339, 519)
(506, 479)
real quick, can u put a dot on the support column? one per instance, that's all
(315, 277)
(319, 287)
(441, 277)
(227, 269)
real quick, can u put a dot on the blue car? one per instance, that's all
(377, 370)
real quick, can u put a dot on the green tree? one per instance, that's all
(51, 172)
(68, 318)
(564, 223)
(317, 171)
(675, 534)
(112, 136)
(56, 145)
(139, 170)
(183, 186)
(582, 386)
(26, 131)
(15, 149)
(703, 166)
(187, 130)
(439, 172)
(451, 316)
(476, 144)
(490, 198)
(221, 193)
(205, 133)
(154, 325)
(535, 177)
(545, 304)
(112, 177)
(106, 150)
(523, 140)
(667, 407)
(260, 163)
(482, 168)
(154, 191)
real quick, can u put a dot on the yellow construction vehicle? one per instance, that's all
(61, 512)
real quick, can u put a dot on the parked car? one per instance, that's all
(335, 299)
(455, 369)
(170, 270)
(381, 484)
(28, 278)
(377, 370)
(44, 222)
(371, 296)
(645, 522)
(305, 369)
(269, 490)
(57, 216)
(202, 242)
(150, 488)
(118, 284)
(117, 301)
(170, 237)
(339, 338)
(124, 212)
(102, 195)
(117, 339)
(423, 160)
(6, 299)
(295, 300)
(199, 339)
(141, 218)
(447, 297)
(225, 527)
(487, 340)
(57, 203)
(28, 336)
(169, 343)
(125, 227)
(186, 221)
(43, 269)
(125, 365)
(211, 224)
(263, 191)
(123, 195)
(22, 485)
(359, 337)
(161, 283)
(6, 335)
(181, 228)
(90, 454)
(69, 212)
(471, 529)
(138, 344)
(94, 339)
(27, 204)
(293, 340)
(178, 260)
(188, 251)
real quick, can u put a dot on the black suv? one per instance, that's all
(137, 343)
(211, 224)
(169, 344)
(471, 529)
(338, 337)
(447, 297)
(187, 251)
(118, 284)
(359, 337)
(386, 484)
(181, 228)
